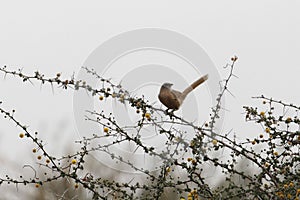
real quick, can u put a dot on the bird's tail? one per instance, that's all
(194, 85)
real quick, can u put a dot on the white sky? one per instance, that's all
(58, 36)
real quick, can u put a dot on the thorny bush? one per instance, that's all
(273, 154)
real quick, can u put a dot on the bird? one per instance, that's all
(173, 99)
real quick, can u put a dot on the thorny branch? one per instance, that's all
(277, 165)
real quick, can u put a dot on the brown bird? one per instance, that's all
(173, 99)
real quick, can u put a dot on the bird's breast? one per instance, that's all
(169, 99)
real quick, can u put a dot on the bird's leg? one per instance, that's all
(170, 112)
(167, 111)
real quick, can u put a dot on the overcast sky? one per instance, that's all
(59, 36)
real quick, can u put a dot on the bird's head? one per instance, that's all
(167, 85)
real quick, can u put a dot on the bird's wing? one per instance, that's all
(177, 95)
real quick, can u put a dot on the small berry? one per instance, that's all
(192, 143)
(105, 129)
(234, 58)
(267, 164)
(21, 135)
(76, 185)
(147, 115)
(194, 162)
(34, 150)
(39, 157)
(101, 98)
(37, 185)
(74, 161)
(215, 142)
(47, 161)
(168, 169)
(288, 120)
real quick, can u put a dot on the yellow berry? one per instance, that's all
(47, 161)
(194, 162)
(21, 135)
(168, 169)
(192, 143)
(262, 113)
(215, 142)
(105, 129)
(267, 164)
(253, 142)
(275, 153)
(74, 161)
(39, 157)
(76, 185)
(147, 115)
(261, 135)
(189, 159)
(291, 184)
(121, 99)
(194, 192)
(101, 98)
(267, 130)
(58, 74)
(34, 150)
(288, 120)
(37, 185)
(278, 193)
